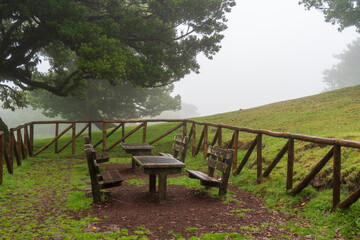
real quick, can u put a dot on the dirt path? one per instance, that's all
(188, 212)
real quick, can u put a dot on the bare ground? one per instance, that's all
(189, 212)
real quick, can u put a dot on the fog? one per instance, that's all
(272, 51)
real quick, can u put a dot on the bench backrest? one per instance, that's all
(219, 159)
(92, 166)
(180, 147)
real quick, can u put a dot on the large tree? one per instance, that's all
(347, 72)
(147, 43)
(101, 100)
(345, 13)
(105, 102)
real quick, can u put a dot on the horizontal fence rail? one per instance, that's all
(21, 146)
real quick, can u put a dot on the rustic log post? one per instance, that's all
(246, 157)
(73, 137)
(15, 150)
(123, 131)
(22, 145)
(235, 147)
(193, 143)
(336, 175)
(56, 134)
(90, 130)
(2, 153)
(200, 141)
(144, 132)
(18, 140)
(259, 156)
(11, 148)
(303, 184)
(205, 140)
(290, 165)
(27, 141)
(31, 140)
(184, 128)
(104, 136)
(220, 142)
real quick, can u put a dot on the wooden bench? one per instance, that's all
(213, 161)
(100, 180)
(100, 157)
(179, 147)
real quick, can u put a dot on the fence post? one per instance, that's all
(235, 147)
(259, 155)
(56, 134)
(123, 131)
(89, 131)
(11, 148)
(144, 132)
(205, 140)
(18, 140)
(27, 141)
(31, 139)
(220, 143)
(290, 165)
(336, 175)
(2, 152)
(22, 145)
(73, 137)
(184, 129)
(104, 136)
(193, 130)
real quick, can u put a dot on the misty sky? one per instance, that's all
(272, 51)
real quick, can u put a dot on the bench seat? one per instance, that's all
(218, 159)
(111, 178)
(102, 157)
(205, 179)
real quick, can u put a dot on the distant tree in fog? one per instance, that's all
(104, 101)
(347, 72)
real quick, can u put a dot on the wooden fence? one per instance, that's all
(21, 142)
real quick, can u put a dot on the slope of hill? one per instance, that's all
(329, 114)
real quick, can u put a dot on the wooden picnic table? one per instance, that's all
(137, 149)
(161, 166)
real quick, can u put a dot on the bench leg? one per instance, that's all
(152, 183)
(162, 187)
(222, 190)
(132, 163)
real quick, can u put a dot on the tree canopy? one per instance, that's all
(347, 72)
(105, 102)
(146, 43)
(345, 13)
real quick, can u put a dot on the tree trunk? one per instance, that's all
(4, 128)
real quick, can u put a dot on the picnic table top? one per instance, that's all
(158, 162)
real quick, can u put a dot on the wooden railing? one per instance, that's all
(21, 146)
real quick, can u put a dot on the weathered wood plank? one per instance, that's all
(276, 160)
(303, 184)
(290, 165)
(336, 175)
(246, 157)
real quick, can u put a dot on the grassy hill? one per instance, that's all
(332, 114)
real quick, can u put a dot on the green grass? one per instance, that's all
(333, 114)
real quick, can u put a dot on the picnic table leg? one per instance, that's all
(152, 183)
(162, 187)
